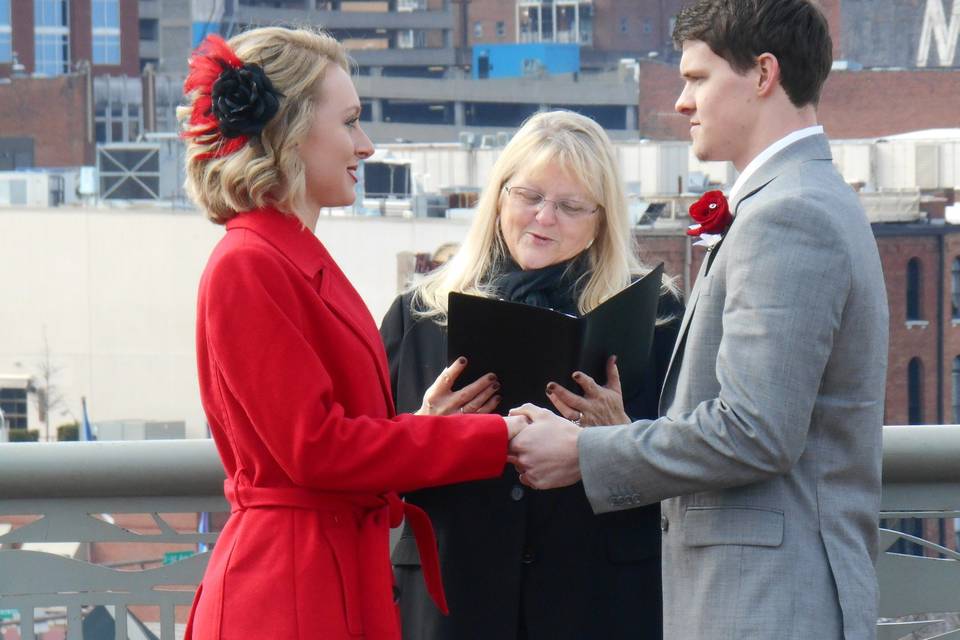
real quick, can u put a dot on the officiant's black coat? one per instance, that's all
(519, 563)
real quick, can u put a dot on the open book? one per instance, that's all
(527, 347)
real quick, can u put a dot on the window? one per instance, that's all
(624, 25)
(477, 29)
(106, 31)
(118, 115)
(955, 290)
(913, 289)
(915, 392)
(51, 37)
(956, 390)
(501, 29)
(149, 29)
(6, 44)
(13, 402)
(529, 26)
(648, 26)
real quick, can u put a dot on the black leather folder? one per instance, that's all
(527, 347)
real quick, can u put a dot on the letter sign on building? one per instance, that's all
(937, 29)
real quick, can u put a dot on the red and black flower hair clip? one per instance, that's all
(234, 100)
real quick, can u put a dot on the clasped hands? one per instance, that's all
(543, 445)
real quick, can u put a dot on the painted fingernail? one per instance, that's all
(496, 385)
(461, 360)
(551, 387)
(491, 377)
(576, 375)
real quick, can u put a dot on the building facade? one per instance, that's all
(54, 37)
(866, 103)
(607, 30)
(55, 55)
(920, 34)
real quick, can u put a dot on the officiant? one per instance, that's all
(551, 230)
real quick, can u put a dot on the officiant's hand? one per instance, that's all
(598, 405)
(480, 396)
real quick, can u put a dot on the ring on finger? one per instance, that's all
(579, 417)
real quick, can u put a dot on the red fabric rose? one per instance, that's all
(711, 213)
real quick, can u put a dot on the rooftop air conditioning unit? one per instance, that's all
(468, 139)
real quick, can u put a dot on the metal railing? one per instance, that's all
(61, 493)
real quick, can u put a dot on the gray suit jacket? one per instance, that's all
(768, 454)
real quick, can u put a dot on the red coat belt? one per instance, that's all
(377, 513)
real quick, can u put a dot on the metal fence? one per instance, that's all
(75, 493)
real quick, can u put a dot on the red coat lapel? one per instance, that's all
(288, 235)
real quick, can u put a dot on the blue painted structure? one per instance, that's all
(201, 29)
(510, 60)
(207, 16)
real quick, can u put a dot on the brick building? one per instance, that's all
(53, 53)
(45, 122)
(921, 266)
(854, 104)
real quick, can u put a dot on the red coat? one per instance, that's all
(294, 383)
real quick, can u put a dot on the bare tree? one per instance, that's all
(48, 395)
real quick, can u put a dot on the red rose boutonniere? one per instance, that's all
(712, 217)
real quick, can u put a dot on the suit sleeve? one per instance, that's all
(787, 281)
(255, 329)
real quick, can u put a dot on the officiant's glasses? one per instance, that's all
(534, 200)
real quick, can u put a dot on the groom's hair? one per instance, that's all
(795, 31)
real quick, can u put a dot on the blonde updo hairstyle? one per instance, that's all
(579, 145)
(267, 171)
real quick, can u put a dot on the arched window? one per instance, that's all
(955, 290)
(956, 390)
(915, 392)
(913, 289)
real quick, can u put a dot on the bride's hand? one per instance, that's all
(480, 396)
(598, 405)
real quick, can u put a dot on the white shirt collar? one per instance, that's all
(768, 153)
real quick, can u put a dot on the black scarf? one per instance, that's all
(555, 287)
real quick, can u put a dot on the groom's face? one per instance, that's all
(719, 103)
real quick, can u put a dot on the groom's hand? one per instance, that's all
(545, 452)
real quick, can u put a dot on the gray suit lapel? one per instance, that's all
(682, 335)
(687, 314)
(811, 148)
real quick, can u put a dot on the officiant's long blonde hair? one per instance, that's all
(582, 148)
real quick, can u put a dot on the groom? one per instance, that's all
(768, 454)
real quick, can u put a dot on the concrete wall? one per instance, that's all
(115, 292)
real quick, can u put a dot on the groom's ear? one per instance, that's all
(768, 76)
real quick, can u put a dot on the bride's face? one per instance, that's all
(546, 216)
(335, 144)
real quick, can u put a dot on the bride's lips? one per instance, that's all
(353, 172)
